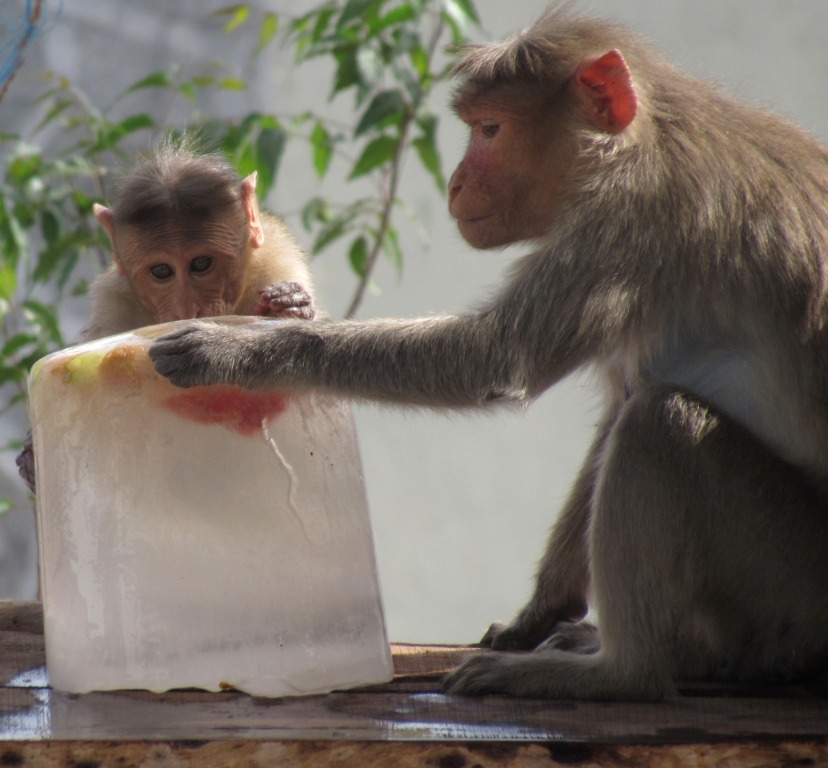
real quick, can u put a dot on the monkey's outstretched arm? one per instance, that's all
(442, 361)
(541, 327)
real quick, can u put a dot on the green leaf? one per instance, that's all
(24, 167)
(322, 148)
(23, 217)
(60, 106)
(16, 343)
(155, 80)
(386, 108)
(419, 60)
(8, 283)
(358, 255)
(83, 203)
(355, 9)
(391, 248)
(321, 25)
(347, 72)
(12, 236)
(13, 373)
(238, 15)
(81, 288)
(189, 91)
(6, 505)
(270, 147)
(49, 226)
(394, 17)
(426, 147)
(377, 152)
(113, 133)
(45, 318)
(269, 30)
(232, 84)
(330, 233)
(308, 36)
(406, 40)
(318, 209)
(58, 257)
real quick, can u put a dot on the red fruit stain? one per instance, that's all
(231, 407)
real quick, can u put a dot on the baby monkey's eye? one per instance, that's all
(201, 263)
(162, 271)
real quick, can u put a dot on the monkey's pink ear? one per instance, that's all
(606, 90)
(251, 205)
(105, 219)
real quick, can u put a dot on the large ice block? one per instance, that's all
(207, 537)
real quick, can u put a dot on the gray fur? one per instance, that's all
(688, 266)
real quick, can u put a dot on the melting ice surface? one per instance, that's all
(199, 538)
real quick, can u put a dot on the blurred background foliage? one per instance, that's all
(386, 55)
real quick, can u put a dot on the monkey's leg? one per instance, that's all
(634, 660)
(694, 529)
(563, 574)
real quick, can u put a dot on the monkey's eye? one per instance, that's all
(201, 263)
(489, 130)
(162, 271)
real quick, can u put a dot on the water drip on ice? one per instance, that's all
(293, 480)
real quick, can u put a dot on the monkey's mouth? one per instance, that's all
(475, 219)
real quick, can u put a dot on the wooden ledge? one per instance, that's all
(407, 722)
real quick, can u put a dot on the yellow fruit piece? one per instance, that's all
(80, 371)
(123, 367)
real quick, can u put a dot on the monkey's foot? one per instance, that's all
(575, 636)
(287, 300)
(553, 674)
(527, 675)
(480, 675)
(520, 635)
(25, 462)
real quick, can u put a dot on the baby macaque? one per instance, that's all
(189, 241)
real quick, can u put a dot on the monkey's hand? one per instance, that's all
(25, 462)
(285, 299)
(204, 353)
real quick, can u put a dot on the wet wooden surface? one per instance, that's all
(407, 722)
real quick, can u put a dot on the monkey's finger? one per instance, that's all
(285, 287)
(476, 676)
(303, 312)
(296, 304)
(165, 352)
(491, 633)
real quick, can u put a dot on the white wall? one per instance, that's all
(461, 505)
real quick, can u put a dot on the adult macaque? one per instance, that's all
(680, 243)
(189, 241)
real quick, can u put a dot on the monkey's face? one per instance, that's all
(508, 185)
(179, 279)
